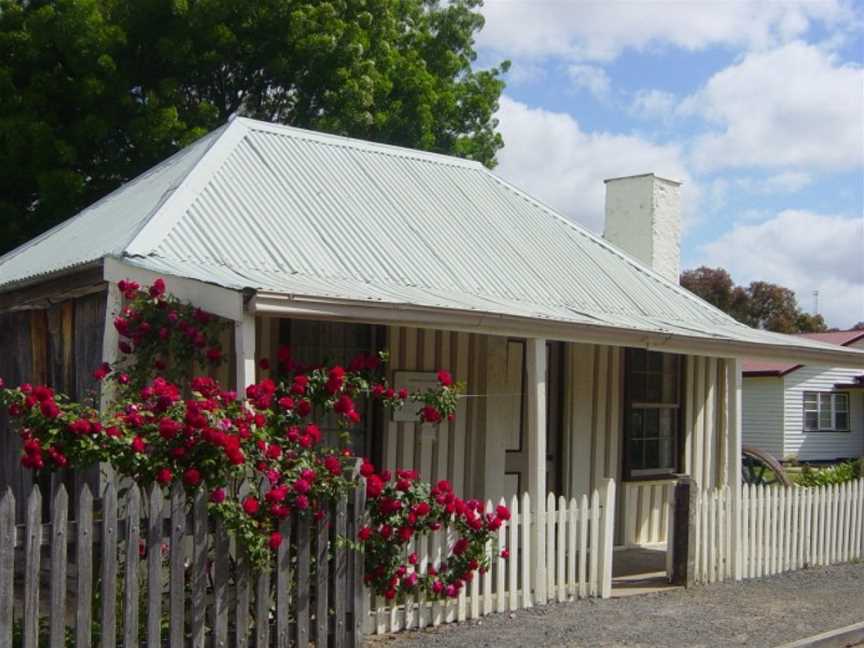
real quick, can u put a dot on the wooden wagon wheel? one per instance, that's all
(760, 468)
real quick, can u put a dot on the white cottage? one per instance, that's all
(805, 412)
(585, 361)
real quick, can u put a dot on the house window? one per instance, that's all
(826, 412)
(651, 426)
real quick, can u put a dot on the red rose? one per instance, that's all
(164, 476)
(403, 394)
(192, 476)
(422, 508)
(367, 469)
(214, 354)
(138, 445)
(502, 512)
(49, 409)
(445, 378)
(333, 464)
(286, 403)
(505, 553)
(301, 486)
(364, 534)
(303, 408)
(301, 502)
(374, 486)
(275, 540)
(406, 533)
(443, 486)
(157, 289)
(217, 496)
(250, 505)
(430, 415)
(80, 427)
(460, 547)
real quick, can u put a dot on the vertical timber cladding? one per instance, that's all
(452, 450)
(60, 345)
(706, 422)
(592, 411)
(593, 442)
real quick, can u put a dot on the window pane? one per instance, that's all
(667, 423)
(637, 387)
(841, 402)
(635, 457)
(811, 421)
(670, 388)
(825, 419)
(651, 425)
(655, 361)
(638, 360)
(842, 420)
(652, 454)
(810, 401)
(666, 450)
(636, 424)
(653, 389)
(824, 402)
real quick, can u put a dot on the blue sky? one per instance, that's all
(758, 107)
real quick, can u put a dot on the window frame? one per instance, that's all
(835, 397)
(677, 407)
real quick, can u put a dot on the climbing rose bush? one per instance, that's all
(163, 429)
(401, 508)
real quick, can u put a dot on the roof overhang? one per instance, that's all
(280, 304)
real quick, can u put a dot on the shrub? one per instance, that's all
(166, 426)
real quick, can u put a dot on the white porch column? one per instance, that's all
(110, 340)
(244, 348)
(733, 458)
(536, 428)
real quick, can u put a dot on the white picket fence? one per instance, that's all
(782, 529)
(578, 564)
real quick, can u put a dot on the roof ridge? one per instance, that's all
(163, 219)
(358, 143)
(599, 240)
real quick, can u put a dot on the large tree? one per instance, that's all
(761, 304)
(93, 92)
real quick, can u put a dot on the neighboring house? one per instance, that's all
(584, 359)
(806, 412)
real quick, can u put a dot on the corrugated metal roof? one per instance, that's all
(107, 226)
(272, 208)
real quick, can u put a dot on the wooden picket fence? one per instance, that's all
(136, 570)
(578, 544)
(782, 529)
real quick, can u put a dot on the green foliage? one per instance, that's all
(94, 92)
(823, 476)
(761, 304)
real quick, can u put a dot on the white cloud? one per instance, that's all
(549, 155)
(804, 251)
(591, 78)
(654, 104)
(795, 105)
(602, 30)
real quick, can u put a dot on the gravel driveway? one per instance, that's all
(765, 613)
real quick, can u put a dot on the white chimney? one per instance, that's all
(643, 218)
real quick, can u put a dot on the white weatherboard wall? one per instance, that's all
(762, 414)
(816, 446)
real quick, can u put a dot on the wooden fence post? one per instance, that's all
(684, 532)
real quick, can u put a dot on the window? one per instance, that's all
(826, 412)
(652, 413)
